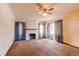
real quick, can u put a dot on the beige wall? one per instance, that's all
(71, 28)
(6, 28)
(31, 24)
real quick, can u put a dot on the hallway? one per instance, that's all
(41, 47)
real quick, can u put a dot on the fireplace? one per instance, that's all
(32, 36)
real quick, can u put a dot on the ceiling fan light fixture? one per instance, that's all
(44, 14)
(44, 10)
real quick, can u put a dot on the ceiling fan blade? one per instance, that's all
(38, 4)
(50, 9)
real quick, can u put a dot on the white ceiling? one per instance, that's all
(30, 11)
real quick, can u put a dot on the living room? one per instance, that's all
(39, 26)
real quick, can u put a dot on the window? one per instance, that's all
(52, 29)
(41, 28)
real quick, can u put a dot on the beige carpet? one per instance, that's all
(41, 47)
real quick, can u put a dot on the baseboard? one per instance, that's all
(70, 45)
(9, 48)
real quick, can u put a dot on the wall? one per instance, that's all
(71, 28)
(31, 24)
(6, 28)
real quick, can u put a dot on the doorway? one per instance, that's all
(58, 31)
(19, 31)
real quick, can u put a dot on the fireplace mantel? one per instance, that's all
(31, 29)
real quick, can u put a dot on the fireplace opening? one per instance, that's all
(32, 36)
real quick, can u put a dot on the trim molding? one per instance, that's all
(70, 45)
(31, 29)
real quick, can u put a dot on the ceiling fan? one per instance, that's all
(44, 11)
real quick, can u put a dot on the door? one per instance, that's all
(58, 31)
(19, 31)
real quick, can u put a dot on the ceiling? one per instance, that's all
(30, 11)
